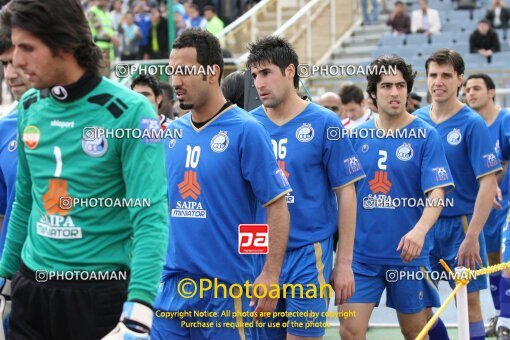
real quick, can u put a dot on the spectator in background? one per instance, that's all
(425, 20)
(166, 108)
(214, 24)
(180, 23)
(332, 101)
(158, 36)
(130, 35)
(143, 20)
(116, 14)
(498, 15)
(375, 12)
(233, 88)
(179, 8)
(484, 40)
(399, 21)
(413, 102)
(195, 20)
(353, 106)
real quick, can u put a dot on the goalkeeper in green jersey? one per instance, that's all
(88, 231)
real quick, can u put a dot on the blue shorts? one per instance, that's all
(409, 289)
(447, 235)
(191, 325)
(311, 264)
(492, 229)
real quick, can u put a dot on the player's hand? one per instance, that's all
(499, 198)
(266, 304)
(411, 244)
(469, 252)
(5, 306)
(342, 281)
(135, 323)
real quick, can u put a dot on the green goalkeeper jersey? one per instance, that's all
(85, 200)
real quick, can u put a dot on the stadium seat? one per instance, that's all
(416, 39)
(389, 39)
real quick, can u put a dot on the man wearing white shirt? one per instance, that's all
(353, 106)
(425, 20)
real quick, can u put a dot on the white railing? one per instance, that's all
(252, 12)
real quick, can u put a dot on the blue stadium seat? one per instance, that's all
(389, 39)
(416, 39)
(501, 57)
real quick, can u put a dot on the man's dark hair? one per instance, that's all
(446, 56)
(274, 50)
(166, 106)
(210, 8)
(233, 87)
(484, 21)
(206, 44)
(351, 93)
(147, 80)
(489, 83)
(61, 25)
(167, 90)
(5, 29)
(398, 2)
(384, 66)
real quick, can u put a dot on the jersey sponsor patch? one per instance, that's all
(189, 188)
(149, 128)
(380, 183)
(490, 160)
(281, 179)
(352, 165)
(31, 136)
(305, 133)
(454, 137)
(58, 227)
(189, 210)
(405, 152)
(441, 174)
(253, 239)
(219, 143)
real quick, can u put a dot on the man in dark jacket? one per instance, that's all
(484, 40)
(158, 36)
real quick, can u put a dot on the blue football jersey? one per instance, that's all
(470, 154)
(391, 199)
(8, 168)
(216, 176)
(494, 130)
(315, 165)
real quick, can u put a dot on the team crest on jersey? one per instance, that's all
(13, 144)
(305, 133)
(490, 160)
(405, 152)
(441, 174)
(364, 148)
(454, 137)
(95, 147)
(31, 136)
(219, 143)
(352, 165)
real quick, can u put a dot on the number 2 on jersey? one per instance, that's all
(382, 159)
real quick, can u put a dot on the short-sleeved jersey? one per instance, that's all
(315, 165)
(63, 156)
(400, 172)
(494, 131)
(8, 165)
(470, 154)
(216, 176)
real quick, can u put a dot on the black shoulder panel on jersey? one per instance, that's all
(116, 107)
(100, 99)
(29, 101)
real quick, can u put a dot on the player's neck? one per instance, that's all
(209, 108)
(440, 112)
(292, 106)
(71, 76)
(387, 122)
(489, 113)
